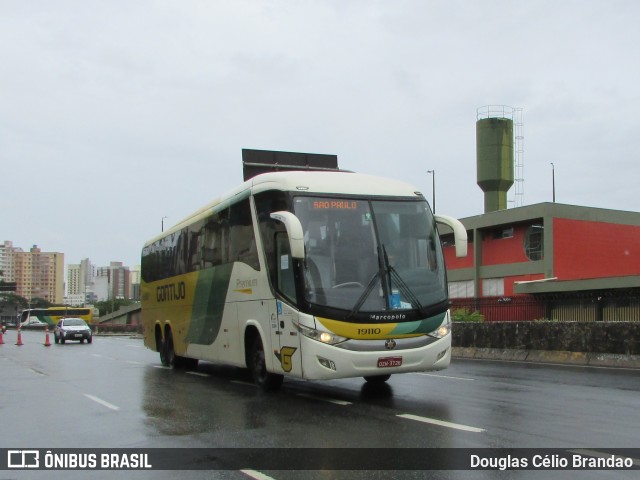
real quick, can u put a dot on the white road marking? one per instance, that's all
(199, 374)
(133, 362)
(256, 475)
(324, 399)
(445, 376)
(441, 423)
(102, 402)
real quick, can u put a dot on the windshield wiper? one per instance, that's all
(385, 269)
(364, 295)
(402, 285)
(382, 270)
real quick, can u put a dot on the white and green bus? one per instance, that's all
(308, 274)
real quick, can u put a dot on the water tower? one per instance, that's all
(495, 155)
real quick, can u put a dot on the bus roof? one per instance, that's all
(338, 183)
(342, 182)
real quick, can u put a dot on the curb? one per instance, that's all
(542, 356)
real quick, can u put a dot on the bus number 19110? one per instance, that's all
(369, 331)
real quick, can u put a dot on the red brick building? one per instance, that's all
(529, 255)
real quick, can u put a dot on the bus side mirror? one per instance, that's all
(294, 232)
(459, 233)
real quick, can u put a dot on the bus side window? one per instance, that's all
(266, 203)
(285, 277)
(241, 235)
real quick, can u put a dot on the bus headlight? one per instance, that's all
(444, 329)
(324, 337)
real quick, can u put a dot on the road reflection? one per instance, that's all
(226, 409)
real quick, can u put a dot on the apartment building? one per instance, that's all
(38, 274)
(7, 267)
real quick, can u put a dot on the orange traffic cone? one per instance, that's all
(47, 343)
(1, 339)
(19, 342)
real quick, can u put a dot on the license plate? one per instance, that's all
(78, 335)
(385, 362)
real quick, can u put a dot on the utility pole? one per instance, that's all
(553, 181)
(433, 189)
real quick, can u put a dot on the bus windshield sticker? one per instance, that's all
(335, 205)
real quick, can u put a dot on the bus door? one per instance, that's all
(283, 331)
(285, 339)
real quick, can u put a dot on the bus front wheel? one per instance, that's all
(269, 382)
(377, 379)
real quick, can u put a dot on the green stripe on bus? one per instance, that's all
(427, 325)
(208, 304)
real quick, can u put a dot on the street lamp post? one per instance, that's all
(162, 225)
(553, 181)
(433, 189)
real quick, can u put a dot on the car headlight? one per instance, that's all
(444, 329)
(324, 337)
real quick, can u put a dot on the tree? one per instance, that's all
(11, 304)
(109, 306)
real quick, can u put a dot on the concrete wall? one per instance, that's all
(622, 338)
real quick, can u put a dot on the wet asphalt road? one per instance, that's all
(114, 394)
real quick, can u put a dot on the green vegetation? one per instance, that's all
(465, 315)
(110, 306)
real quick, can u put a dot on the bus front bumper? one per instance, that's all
(323, 362)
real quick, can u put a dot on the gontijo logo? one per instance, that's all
(171, 292)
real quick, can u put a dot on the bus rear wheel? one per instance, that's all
(167, 354)
(169, 358)
(269, 382)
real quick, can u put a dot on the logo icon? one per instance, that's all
(390, 344)
(284, 355)
(23, 459)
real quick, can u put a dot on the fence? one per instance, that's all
(571, 309)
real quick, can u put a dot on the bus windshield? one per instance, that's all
(368, 255)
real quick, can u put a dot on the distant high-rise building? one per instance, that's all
(7, 261)
(39, 274)
(135, 283)
(79, 282)
(118, 280)
(79, 277)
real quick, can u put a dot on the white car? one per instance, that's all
(72, 329)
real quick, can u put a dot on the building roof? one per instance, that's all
(550, 210)
(545, 213)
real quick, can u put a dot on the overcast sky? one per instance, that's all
(117, 113)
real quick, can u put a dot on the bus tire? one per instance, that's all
(268, 382)
(160, 348)
(377, 379)
(169, 359)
